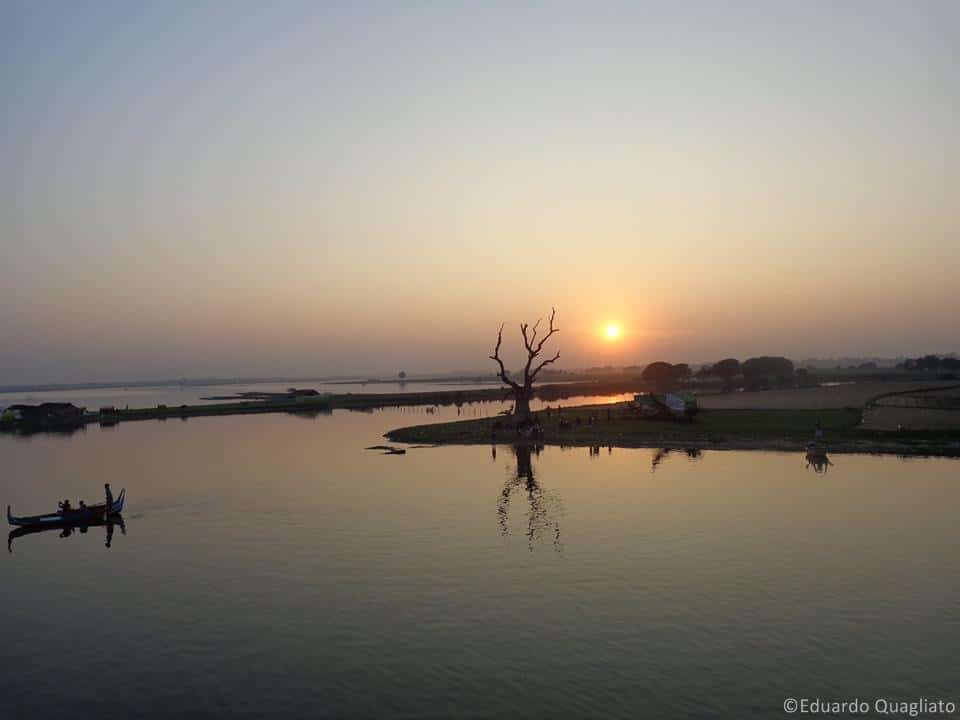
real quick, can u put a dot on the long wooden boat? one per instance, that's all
(76, 516)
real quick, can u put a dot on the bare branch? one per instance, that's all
(533, 338)
(503, 370)
(534, 351)
(552, 329)
(540, 367)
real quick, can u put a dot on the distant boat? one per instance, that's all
(75, 516)
(673, 406)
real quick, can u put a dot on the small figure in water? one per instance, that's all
(109, 495)
(819, 462)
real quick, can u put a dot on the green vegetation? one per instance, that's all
(756, 373)
(714, 425)
(663, 372)
(765, 372)
(615, 425)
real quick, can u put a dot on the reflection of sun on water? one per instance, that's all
(612, 332)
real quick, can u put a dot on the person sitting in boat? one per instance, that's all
(65, 507)
(83, 506)
(109, 495)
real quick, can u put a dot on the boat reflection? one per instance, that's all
(66, 529)
(543, 506)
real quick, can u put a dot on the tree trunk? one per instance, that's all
(521, 408)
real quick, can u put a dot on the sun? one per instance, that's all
(612, 332)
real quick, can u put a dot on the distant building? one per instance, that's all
(44, 413)
(296, 392)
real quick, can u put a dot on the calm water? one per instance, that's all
(151, 395)
(272, 567)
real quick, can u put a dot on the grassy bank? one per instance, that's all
(856, 395)
(734, 429)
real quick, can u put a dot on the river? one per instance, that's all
(270, 566)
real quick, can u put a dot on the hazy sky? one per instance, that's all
(284, 188)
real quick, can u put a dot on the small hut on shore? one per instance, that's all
(49, 413)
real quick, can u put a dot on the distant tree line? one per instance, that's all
(931, 362)
(661, 372)
(755, 373)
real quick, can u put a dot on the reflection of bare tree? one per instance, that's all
(542, 505)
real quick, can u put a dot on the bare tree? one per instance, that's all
(522, 392)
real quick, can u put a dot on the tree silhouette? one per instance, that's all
(523, 392)
(661, 372)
